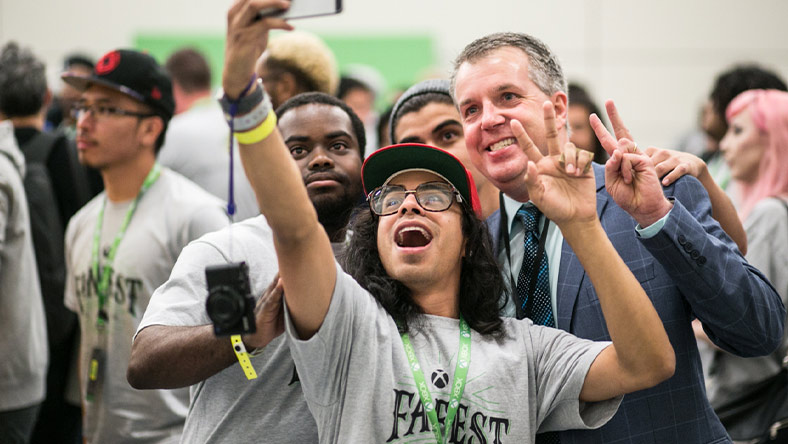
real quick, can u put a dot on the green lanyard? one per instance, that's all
(457, 387)
(102, 279)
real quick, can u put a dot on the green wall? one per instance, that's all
(401, 59)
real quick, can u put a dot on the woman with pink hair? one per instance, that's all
(756, 150)
(756, 146)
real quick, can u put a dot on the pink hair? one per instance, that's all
(769, 113)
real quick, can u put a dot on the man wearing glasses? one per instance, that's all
(124, 242)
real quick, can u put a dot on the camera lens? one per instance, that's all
(225, 306)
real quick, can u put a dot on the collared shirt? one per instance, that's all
(553, 245)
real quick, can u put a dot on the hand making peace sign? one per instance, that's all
(560, 184)
(630, 176)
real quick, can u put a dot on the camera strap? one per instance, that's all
(103, 275)
(243, 357)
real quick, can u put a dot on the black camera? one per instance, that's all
(230, 304)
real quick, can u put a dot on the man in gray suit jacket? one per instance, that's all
(689, 267)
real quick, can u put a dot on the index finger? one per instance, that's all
(609, 143)
(551, 132)
(619, 129)
(525, 142)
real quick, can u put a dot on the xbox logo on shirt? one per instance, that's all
(440, 379)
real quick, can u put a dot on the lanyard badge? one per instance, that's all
(103, 276)
(457, 386)
(95, 373)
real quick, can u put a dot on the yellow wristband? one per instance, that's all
(259, 133)
(243, 357)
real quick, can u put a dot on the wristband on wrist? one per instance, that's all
(243, 357)
(260, 133)
(249, 98)
(245, 122)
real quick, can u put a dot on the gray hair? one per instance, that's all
(23, 84)
(544, 68)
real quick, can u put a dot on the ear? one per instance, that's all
(287, 85)
(149, 130)
(179, 96)
(561, 105)
(47, 99)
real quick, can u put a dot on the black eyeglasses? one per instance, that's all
(431, 196)
(103, 111)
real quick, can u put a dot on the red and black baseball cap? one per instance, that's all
(133, 73)
(385, 163)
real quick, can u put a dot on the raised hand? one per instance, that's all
(672, 164)
(247, 38)
(560, 184)
(630, 176)
(269, 316)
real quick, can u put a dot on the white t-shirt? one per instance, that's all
(169, 215)
(228, 408)
(359, 386)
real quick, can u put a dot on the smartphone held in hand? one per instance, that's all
(303, 9)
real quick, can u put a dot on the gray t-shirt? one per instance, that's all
(359, 386)
(169, 215)
(228, 408)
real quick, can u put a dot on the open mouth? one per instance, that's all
(501, 144)
(413, 237)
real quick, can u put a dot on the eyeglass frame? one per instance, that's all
(81, 108)
(451, 188)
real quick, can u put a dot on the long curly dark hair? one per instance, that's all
(482, 289)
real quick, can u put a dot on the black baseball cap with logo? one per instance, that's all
(133, 73)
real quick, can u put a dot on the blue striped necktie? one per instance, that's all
(541, 312)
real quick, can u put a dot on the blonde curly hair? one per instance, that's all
(309, 56)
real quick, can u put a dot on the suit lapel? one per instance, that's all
(571, 273)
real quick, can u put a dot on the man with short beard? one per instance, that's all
(175, 345)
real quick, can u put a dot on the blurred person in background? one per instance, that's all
(59, 112)
(197, 142)
(295, 63)
(755, 148)
(384, 139)
(60, 115)
(56, 188)
(580, 132)
(360, 87)
(728, 85)
(23, 340)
